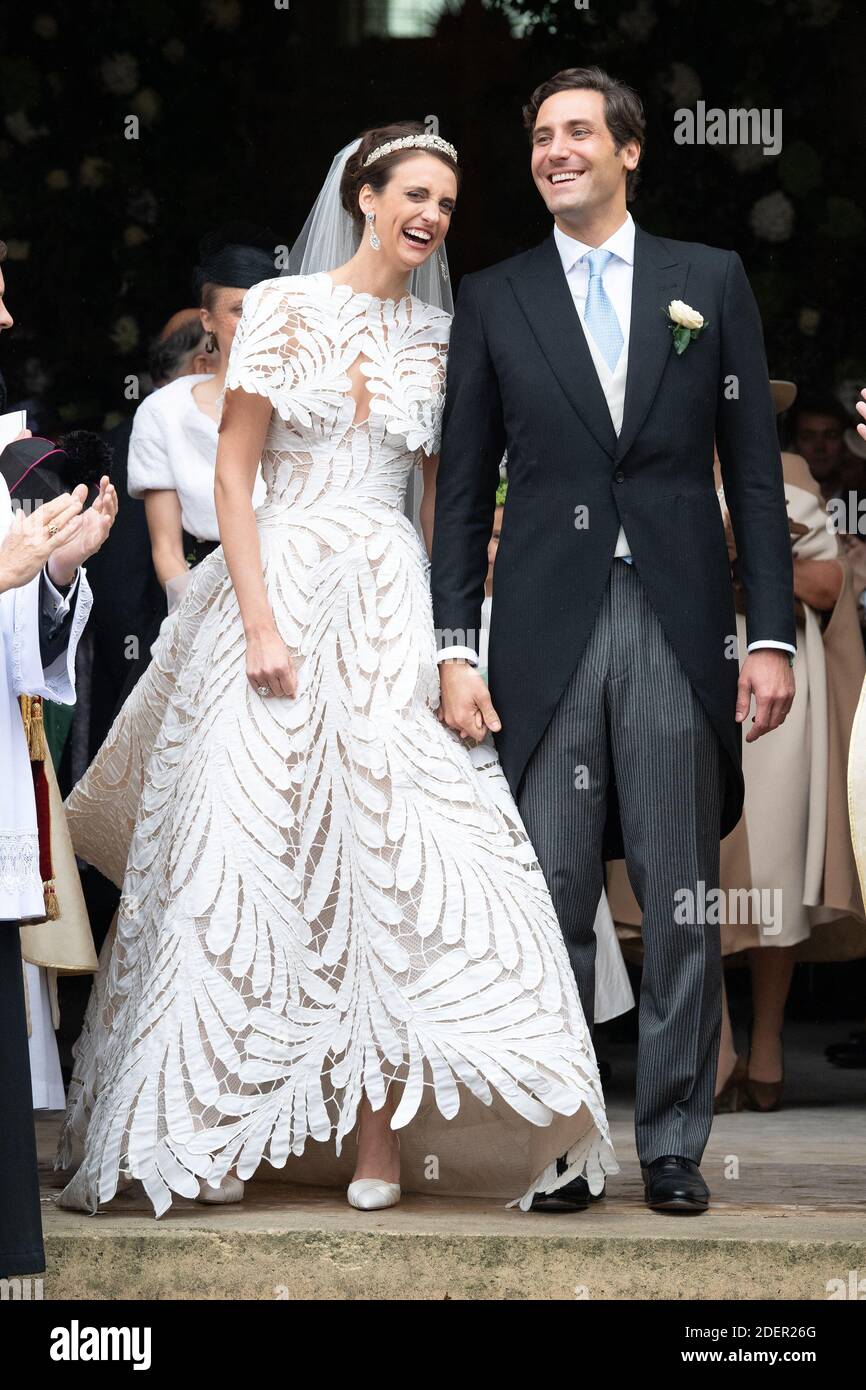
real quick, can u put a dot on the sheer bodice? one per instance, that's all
(298, 346)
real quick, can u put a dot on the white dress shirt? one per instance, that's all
(617, 281)
(55, 605)
(618, 277)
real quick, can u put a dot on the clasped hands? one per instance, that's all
(465, 703)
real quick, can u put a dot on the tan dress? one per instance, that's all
(857, 787)
(793, 843)
(63, 946)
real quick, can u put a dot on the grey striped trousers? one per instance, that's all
(629, 712)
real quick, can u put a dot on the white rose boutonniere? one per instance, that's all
(684, 322)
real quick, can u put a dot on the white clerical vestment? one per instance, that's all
(22, 673)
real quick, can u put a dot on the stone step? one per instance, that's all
(788, 1217)
(305, 1243)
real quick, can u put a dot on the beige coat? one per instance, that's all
(857, 787)
(64, 946)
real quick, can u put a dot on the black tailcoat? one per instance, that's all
(521, 378)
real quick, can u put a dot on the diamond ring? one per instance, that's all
(263, 689)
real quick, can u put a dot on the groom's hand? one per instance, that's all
(766, 674)
(465, 701)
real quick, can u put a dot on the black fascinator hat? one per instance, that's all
(237, 254)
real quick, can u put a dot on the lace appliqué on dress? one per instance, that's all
(295, 348)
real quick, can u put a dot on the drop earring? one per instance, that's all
(210, 343)
(374, 240)
(443, 267)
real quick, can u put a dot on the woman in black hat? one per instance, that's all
(172, 450)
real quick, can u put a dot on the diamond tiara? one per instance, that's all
(412, 142)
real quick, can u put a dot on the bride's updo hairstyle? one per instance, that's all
(377, 174)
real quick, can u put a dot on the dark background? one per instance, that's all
(243, 104)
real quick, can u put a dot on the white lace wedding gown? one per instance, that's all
(326, 894)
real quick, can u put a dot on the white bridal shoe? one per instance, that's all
(231, 1189)
(371, 1194)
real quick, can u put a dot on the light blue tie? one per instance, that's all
(599, 315)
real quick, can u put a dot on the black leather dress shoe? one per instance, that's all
(573, 1196)
(675, 1184)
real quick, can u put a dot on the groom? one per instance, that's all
(614, 693)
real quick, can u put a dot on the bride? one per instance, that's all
(332, 922)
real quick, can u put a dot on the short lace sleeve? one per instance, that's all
(148, 464)
(277, 351)
(258, 352)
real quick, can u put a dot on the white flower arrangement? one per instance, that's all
(125, 333)
(120, 74)
(223, 14)
(682, 84)
(772, 217)
(93, 171)
(638, 24)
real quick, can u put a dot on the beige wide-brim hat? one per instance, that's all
(784, 394)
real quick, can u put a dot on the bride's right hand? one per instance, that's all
(269, 663)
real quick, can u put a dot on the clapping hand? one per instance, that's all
(92, 531)
(33, 539)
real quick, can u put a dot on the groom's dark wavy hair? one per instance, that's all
(623, 109)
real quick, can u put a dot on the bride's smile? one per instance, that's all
(411, 214)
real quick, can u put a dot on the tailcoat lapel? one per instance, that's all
(545, 298)
(658, 278)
